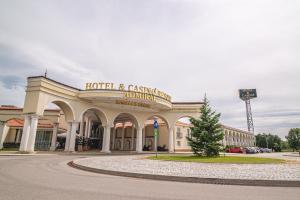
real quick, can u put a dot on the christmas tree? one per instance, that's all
(206, 132)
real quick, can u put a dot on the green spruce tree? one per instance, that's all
(293, 138)
(206, 132)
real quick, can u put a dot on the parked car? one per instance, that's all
(235, 150)
(265, 150)
(257, 149)
(251, 150)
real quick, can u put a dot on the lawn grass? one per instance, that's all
(221, 159)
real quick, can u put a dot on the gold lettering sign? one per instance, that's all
(132, 103)
(138, 95)
(133, 91)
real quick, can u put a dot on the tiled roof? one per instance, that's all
(15, 122)
(42, 123)
(9, 107)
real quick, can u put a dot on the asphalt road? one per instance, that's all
(45, 177)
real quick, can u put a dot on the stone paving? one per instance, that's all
(139, 164)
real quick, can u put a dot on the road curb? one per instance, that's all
(244, 182)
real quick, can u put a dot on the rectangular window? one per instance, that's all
(178, 143)
(189, 133)
(178, 133)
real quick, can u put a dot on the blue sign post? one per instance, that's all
(155, 126)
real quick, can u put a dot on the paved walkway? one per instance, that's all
(139, 164)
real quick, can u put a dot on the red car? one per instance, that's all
(235, 150)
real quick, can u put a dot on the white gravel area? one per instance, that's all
(139, 164)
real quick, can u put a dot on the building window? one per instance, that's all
(189, 133)
(178, 143)
(178, 133)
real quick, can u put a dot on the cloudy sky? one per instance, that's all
(185, 48)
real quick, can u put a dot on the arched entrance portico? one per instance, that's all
(28, 139)
(124, 133)
(182, 130)
(91, 130)
(112, 118)
(163, 137)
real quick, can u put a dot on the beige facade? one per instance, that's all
(102, 117)
(236, 137)
(101, 110)
(12, 121)
(232, 137)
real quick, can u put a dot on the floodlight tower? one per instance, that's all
(246, 95)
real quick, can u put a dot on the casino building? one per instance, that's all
(102, 117)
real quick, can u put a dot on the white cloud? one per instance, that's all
(185, 48)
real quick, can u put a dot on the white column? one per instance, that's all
(86, 128)
(113, 139)
(89, 128)
(139, 140)
(171, 140)
(73, 136)
(106, 139)
(2, 124)
(144, 135)
(54, 137)
(25, 134)
(32, 133)
(81, 128)
(67, 143)
(122, 140)
(132, 137)
(4, 129)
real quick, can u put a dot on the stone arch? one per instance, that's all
(92, 123)
(99, 113)
(159, 116)
(181, 131)
(5, 127)
(163, 136)
(131, 116)
(182, 116)
(65, 106)
(124, 135)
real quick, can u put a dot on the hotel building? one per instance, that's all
(102, 117)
